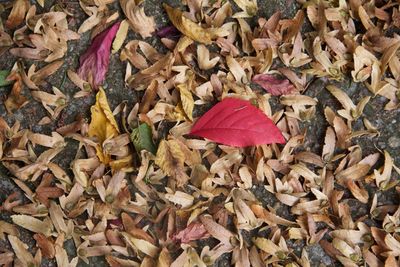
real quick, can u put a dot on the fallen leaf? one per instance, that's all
(192, 232)
(21, 251)
(17, 14)
(94, 62)
(103, 125)
(3, 78)
(170, 158)
(15, 99)
(139, 21)
(273, 85)
(46, 246)
(168, 32)
(186, 100)
(188, 27)
(33, 224)
(142, 139)
(120, 36)
(236, 122)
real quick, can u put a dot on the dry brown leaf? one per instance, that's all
(138, 20)
(32, 224)
(17, 14)
(15, 99)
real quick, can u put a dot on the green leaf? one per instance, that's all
(3, 76)
(142, 139)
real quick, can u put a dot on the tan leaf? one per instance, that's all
(203, 58)
(186, 100)
(138, 20)
(120, 36)
(17, 14)
(32, 224)
(21, 251)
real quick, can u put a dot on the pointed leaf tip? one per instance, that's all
(237, 122)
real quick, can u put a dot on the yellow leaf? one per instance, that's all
(188, 27)
(170, 158)
(103, 125)
(186, 100)
(120, 36)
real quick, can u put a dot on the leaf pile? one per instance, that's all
(148, 182)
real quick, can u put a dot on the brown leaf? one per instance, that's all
(15, 99)
(46, 245)
(17, 15)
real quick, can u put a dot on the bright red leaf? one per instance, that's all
(237, 122)
(94, 63)
(194, 231)
(273, 85)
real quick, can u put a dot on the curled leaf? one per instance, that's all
(94, 63)
(188, 27)
(103, 125)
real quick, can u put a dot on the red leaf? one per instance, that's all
(273, 85)
(194, 231)
(94, 63)
(237, 122)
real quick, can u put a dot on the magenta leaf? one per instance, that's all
(273, 85)
(237, 122)
(94, 63)
(168, 32)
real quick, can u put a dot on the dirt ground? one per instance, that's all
(29, 115)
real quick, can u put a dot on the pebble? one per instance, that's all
(394, 142)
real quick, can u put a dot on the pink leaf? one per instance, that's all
(194, 231)
(94, 63)
(237, 122)
(273, 85)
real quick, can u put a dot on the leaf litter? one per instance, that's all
(197, 180)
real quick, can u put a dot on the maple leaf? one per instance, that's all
(273, 85)
(94, 62)
(237, 122)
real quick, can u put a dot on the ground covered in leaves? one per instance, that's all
(199, 133)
